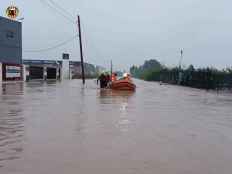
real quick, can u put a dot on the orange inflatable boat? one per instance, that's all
(123, 84)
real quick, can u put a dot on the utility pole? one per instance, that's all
(181, 58)
(180, 73)
(111, 68)
(81, 51)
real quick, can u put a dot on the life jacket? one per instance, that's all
(128, 77)
(113, 78)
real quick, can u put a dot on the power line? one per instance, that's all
(61, 8)
(53, 47)
(58, 11)
(88, 43)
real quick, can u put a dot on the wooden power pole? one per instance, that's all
(181, 58)
(111, 68)
(81, 51)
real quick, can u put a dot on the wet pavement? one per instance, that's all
(62, 127)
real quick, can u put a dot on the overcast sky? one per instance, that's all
(131, 31)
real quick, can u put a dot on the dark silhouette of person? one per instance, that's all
(103, 80)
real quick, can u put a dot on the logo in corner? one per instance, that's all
(12, 12)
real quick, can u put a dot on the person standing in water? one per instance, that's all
(104, 79)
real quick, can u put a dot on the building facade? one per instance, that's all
(42, 69)
(75, 70)
(10, 50)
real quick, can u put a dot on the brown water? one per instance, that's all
(62, 128)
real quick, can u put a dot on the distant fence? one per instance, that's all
(206, 78)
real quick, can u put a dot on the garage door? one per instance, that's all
(36, 72)
(51, 73)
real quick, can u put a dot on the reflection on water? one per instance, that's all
(110, 96)
(63, 127)
(121, 103)
(115, 93)
(12, 88)
(11, 122)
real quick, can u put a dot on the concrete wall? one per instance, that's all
(45, 73)
(10, 41)
(65, 70)
(25, 72)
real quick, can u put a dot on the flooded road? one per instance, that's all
(62, 128)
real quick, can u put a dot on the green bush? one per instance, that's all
(205, 78)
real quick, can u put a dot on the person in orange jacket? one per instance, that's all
(114, 77)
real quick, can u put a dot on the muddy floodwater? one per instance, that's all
(63, 128)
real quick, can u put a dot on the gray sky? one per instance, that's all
(131, 31)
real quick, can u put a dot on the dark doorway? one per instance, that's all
(36, 72)
(51, 73)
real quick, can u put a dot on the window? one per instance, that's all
(9, 34)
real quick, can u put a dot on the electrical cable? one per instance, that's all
(61, 8)
(58, 11)
(53, 47)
